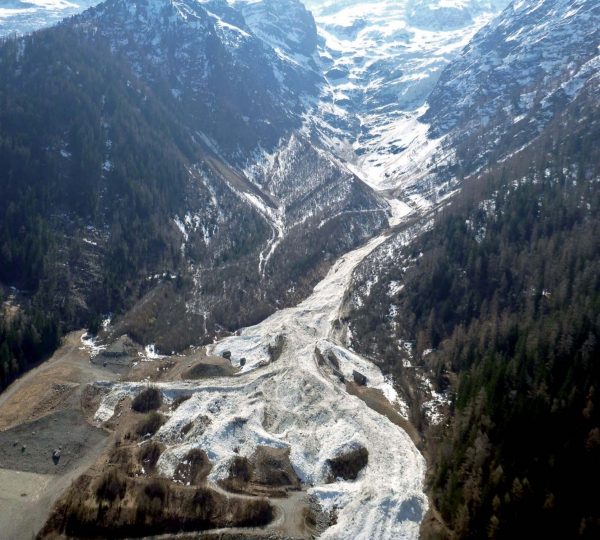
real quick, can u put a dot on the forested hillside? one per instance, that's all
(501, 300)
(171, 189)
(64, 107)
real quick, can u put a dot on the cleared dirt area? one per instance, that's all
(53, 385)
(45, 441)
(52, 444)
(196, 364)
(54, 457)
(20, 494)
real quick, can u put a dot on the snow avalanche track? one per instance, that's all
(292, 402)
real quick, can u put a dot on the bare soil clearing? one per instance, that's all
(29, 447)
(118, 489)
(49, 443)
(40, 413)
(53, 385)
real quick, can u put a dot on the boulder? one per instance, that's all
(359, 378)
(333, 360)
(121, 347)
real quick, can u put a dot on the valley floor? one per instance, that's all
(291, 384)
(299, 401)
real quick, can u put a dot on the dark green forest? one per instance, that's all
(505, 290)
(517, 316)
(25, 339)
(98, 156)
(64, 103)
(502, 291)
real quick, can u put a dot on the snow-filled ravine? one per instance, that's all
(293, 402)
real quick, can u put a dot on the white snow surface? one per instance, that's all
(381, 61)
(22, 16)
(150, 353)
(90, 344)
(292, 402)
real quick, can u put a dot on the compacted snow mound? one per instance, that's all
(294, 402)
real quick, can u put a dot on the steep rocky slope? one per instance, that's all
(189, 99)
(21, 16)
(489, 305)
(206, 162)
(381, 61)
(512, 80)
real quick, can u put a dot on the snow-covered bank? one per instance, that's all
(293, 402)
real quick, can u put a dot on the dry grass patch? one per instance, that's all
(194, 468)
(148, 455)
(122, 457)
(149, 425)
(116, 506)
(268, 471)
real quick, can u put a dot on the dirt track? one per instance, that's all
(51, 385)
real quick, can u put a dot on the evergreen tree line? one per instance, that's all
(86, 151)
(505, 290)
(516, 316)
(26, 338)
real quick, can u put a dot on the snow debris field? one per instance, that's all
(290, 400)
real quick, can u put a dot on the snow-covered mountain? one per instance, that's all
(265, 205)
(519, 104)
(290, 120)
(22, 16)
(221, 74)
(534, 54)
(519, 71)
(512, 79)
(381, 60)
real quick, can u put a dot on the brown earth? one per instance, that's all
(268, 471)
(379, 403)
(51, 409)
(39, 413)
(185, 503)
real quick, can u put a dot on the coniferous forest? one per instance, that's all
(172, 174)
(501, 301)
(58, 122)
(95, 163)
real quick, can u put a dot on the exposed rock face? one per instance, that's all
(509, 83)
(381, 60)
(222, 76)
(284, 24)
(528, 61)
